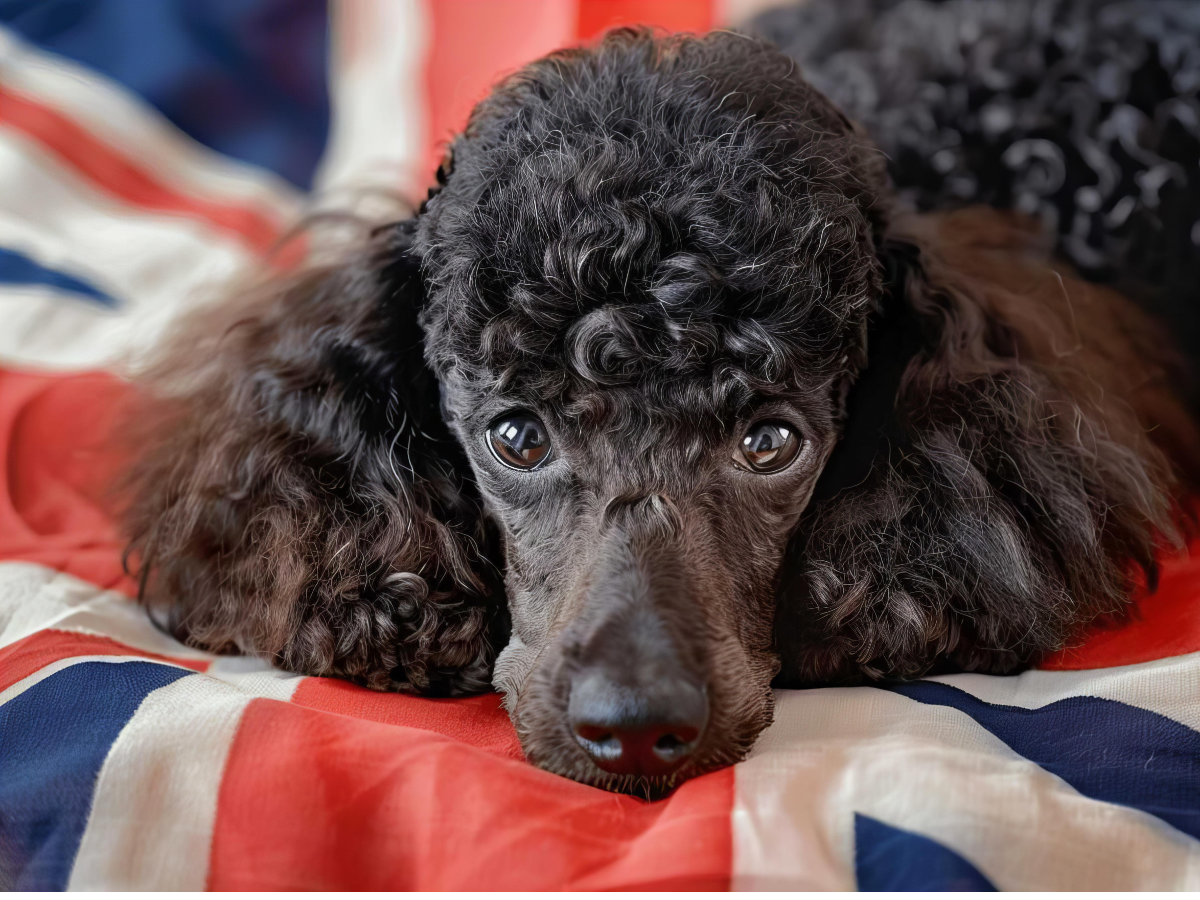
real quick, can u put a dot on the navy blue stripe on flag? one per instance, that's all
(15, 268)
(1104, 749)
(248, 78)
(54, 738)
(891, 859)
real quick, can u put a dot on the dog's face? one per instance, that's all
(643, 527)
(648, 277)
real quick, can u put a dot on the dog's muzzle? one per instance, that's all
(638, 704)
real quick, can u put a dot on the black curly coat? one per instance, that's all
(1082, 113)
(650, 246)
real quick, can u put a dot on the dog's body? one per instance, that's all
(663, 300)
(1082, 114)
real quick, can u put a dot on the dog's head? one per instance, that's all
(649, 269)
(642, 293)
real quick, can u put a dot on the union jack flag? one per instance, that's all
(151, 153)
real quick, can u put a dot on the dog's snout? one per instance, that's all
(638, 700)
(647, 730)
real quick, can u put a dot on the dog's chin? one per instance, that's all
(567, 759)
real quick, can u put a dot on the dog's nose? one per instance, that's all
(637, 730)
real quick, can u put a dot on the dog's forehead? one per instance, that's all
(674, 280)
(633, 218)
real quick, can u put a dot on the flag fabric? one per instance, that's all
(129, 761)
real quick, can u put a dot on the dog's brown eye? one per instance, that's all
(768, 447)
(519, 440)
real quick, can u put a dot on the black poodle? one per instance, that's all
(656, 402)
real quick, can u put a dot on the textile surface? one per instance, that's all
(128, 761)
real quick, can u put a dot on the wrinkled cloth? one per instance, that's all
(129, 761)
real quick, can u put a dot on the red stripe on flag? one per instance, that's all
(597, 16)
(473, 45)
(56, 446)
(313, 801)
(478, 721)
(1166, 623)
(32, 654)
(115, 173)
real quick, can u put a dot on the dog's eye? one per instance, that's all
(768, 447)
(519, 440)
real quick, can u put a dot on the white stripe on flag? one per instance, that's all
(34, 598)
(154, 265)
(788, 833)
(155, 805)
(124, 120)
(377, 89)
(933, 770)
(1169, 687)
(252, 675)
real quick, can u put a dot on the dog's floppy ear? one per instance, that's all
(296, 494)
(1002, 493)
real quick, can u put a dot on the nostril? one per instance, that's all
(634, 750)
(600, 743)
(595, 733)
(676, 744)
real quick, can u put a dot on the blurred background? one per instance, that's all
(151, 149)
(318, 92)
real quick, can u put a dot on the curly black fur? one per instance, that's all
(1083, 113)
(653, 244)
(303, 499)
(1009, 508)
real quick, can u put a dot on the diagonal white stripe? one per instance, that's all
(1170, 687)
(377, 84)
(251, 675)
(933, 770)
(155, 265)
(34, 598)
(155, 805)
(124, 120)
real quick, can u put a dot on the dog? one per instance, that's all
(657, 401)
